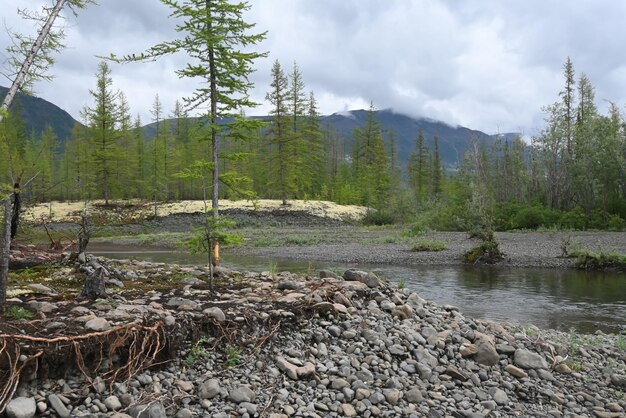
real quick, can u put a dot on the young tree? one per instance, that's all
(103, 119)
(280, 135)
(213, 35)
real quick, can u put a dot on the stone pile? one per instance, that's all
(285, 346)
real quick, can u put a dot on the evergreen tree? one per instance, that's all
(102, 120)
(418, 169)
(437, 175)
(280, 136)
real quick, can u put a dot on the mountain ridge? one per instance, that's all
(453, 139)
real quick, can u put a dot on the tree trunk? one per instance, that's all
(6, 252)
(95, 284)
(18, 82)
(17, 207)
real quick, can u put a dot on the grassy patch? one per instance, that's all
(429, 245)
(303, 240)
(233, 356)
(587, 260)
(197, 352)
(17, 312)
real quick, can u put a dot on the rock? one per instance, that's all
(307, 370)
(215, 313)
(342, 299)
(153, 410)
(562, 368)
(499, 396)
(354, 275)
(288, 285)
(192, 281)
(515, 371)
(618, 380)
(468, 350)
(44, 307)
(339, 384)
(415, 301)
(403, 311)
(456, 373)
(58, 405)
(209, 389)
(392, 396)
(371, 280)
(21, 408)
(327, 274)
(184, 385)
(529, 360)
(97, 325)
(113, 403)
(486, 350)
(397, 350)
(241, 394)
(414, 395)
(348, 410)
(39, 288)
(184, 413)
(289, 369)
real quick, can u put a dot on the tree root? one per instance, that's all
(136, 346)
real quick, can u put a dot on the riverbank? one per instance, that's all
(283, 345)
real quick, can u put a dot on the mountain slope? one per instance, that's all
(39, 113)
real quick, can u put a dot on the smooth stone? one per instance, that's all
(242, 394)
(21, 407)
(97, 325)
(113, 403)
(209, 389)
(529, 360)
(57, 404)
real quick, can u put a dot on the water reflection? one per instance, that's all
(561, 299)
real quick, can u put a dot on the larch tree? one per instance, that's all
(218, 43)
(280, 134)
(30, 58)
(103, 119)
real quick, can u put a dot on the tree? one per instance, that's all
(31, 58)
(280, 135)
(213, 35)
(437, 175)
(103, 119)
(418, 169)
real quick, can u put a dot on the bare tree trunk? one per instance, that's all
(6, 252)
(30, 58)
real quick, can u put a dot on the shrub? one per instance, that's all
(17, 312)
(488, 252)
(379, 217)
(615, 223)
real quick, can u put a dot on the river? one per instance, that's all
(547, 298)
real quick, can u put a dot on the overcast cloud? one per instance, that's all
(488, 65)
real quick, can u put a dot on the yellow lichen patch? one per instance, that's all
(70, 211)
(11, 293)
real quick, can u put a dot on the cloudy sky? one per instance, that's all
(488, 64)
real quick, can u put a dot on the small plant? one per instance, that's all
(574, 365)
(402, 284)
(110, 302)
(272, 268)
(17, 312)
(600, 261)
(233, 356)
(620, 343)
(197, 352)
(429, 245)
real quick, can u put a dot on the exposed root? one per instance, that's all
(135, 346)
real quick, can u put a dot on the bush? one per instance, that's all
(615, 223)
(573, 219)
(488, 252)
(429, 245)
(379, 217)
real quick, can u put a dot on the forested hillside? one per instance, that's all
(572, 175)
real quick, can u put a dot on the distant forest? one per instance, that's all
(572, 175)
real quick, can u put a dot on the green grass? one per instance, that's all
(429, 245)
(303, 240)
(488, 252)
(17, 312)
(233, 356)
(620, 343)
(587, 260)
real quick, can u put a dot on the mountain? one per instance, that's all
(453, 140)
(39, 113)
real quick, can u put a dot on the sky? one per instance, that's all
(490, 65)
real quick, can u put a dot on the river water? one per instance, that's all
(559, 299)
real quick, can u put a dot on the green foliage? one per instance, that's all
(272, 268)
(17, 312)
(402, 284)
(620, 342)
(233, 356)
(429, 245)
(213, 230)
(488, 252)
(379, 217)
(197, 352)
(587, 260)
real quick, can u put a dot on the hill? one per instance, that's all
(39, 113)
(453, 140)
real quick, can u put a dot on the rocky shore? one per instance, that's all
(280, 345)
